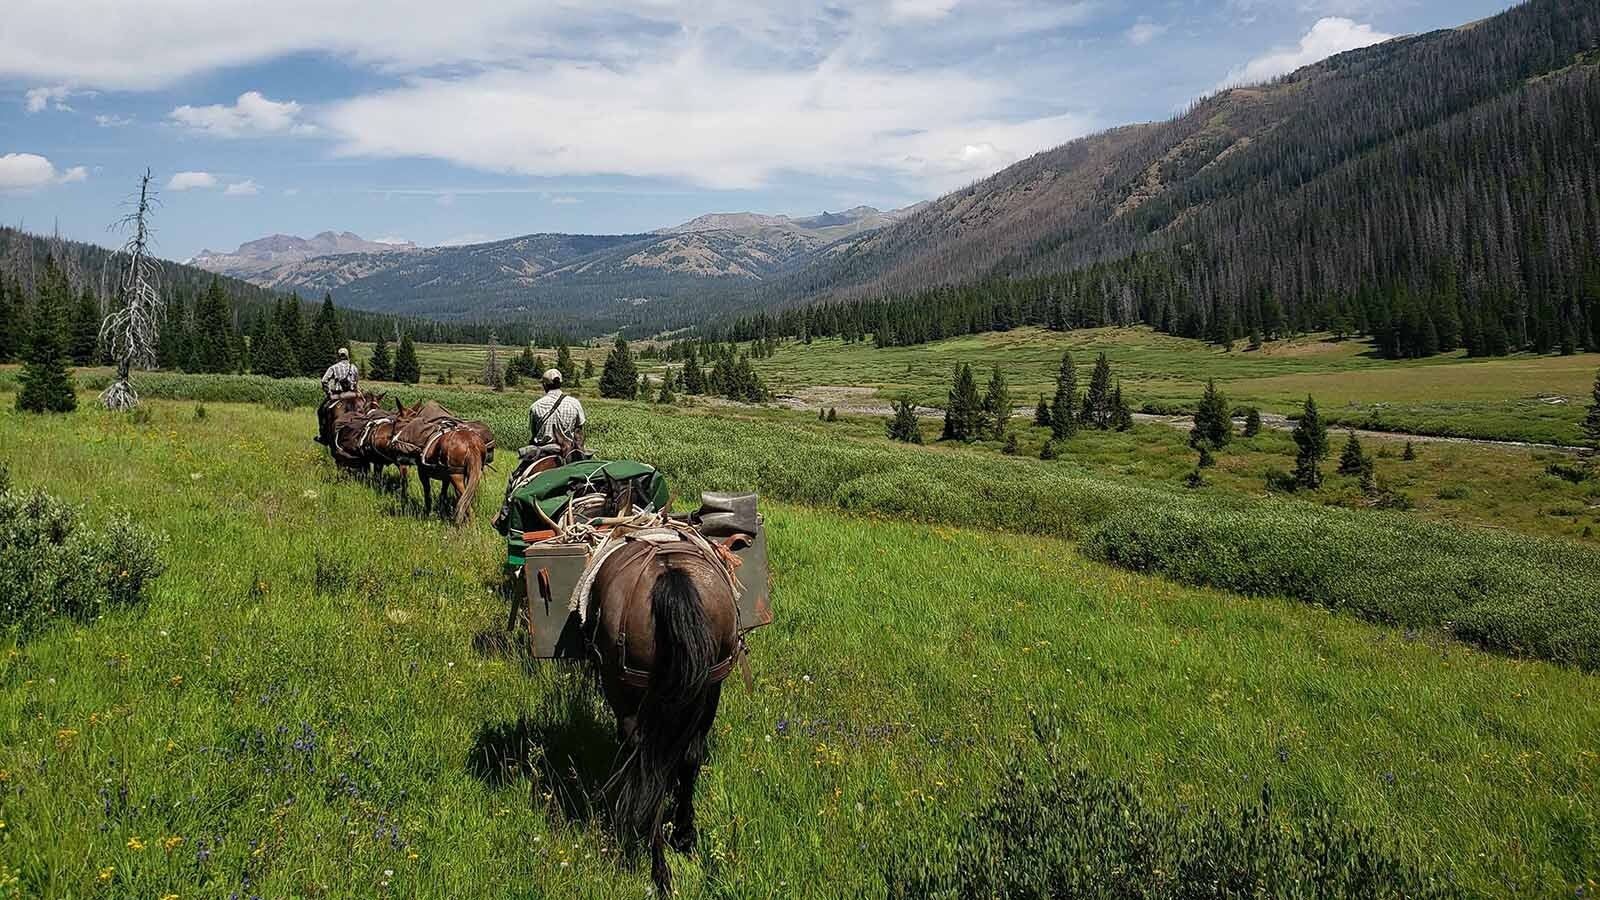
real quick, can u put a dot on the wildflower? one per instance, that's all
(107, 872)
(171, 842)
(135, 844)
(175, 681)
(65, 738)
(169, 897)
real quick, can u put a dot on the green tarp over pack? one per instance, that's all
(551, 490)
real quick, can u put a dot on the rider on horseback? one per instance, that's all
(338, 383)
(556, 413)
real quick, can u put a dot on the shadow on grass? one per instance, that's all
(565, 749)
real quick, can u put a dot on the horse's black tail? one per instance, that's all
(670, 714)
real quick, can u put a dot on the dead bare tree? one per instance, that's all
(133, 329)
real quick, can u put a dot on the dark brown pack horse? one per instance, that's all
(666, 634)
(342, 421)
(456, 459)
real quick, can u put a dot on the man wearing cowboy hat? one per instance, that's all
(339, 381)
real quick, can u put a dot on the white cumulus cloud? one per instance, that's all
(251, 114)
(245, 188)
(113, 121)
(188, 181)
(1330, 36)
(40, 98)
(29, 171)
(696, 118)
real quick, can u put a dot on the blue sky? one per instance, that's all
(480, 119)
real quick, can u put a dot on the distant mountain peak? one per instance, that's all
(272, 251)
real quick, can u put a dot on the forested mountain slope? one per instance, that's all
(1445, 187)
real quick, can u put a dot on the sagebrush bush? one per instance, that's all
(53, 567)
(1050, 831)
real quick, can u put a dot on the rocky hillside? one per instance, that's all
(260, 259)
(675, 275)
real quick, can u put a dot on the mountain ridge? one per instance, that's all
(606, 278)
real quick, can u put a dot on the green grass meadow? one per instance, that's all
(1503, 398)
(310, 704)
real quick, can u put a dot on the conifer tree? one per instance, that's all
(694, 381)
(85, 329)
(996, 410)
(326, 334)
(962, 411)
(1097, 400)
(1591, 422)
(619, 380)
(1010, 448)
(213, 348)
(1352, 460)
(1049, 451)
(588, 369)
(1252, 422)
(45, 384)
(570, 375)
(292, 324)
(1213, 421)
(1041, 413)
(833, 414)
(1121, 415)
(11, 324)
(406, 368)
(379, 368)
(1311, 436)
(1063, 411)
(903, 425)
(513, 378)
(275, 359)
(1410, 453)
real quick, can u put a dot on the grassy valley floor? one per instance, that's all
(301, 710)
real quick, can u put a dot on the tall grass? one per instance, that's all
(309, 703)
(1525, 595)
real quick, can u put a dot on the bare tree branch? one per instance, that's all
(133, 330)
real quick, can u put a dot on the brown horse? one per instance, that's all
(665, 629)
(456, 461)
(456, 458)
(347, 417)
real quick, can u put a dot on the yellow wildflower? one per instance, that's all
(65, 737)
(107, 872)
(169, 897)
(175, 680)
(135, 844)
(171, 842)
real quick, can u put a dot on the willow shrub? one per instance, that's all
(53, 566)
(1051, 831)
